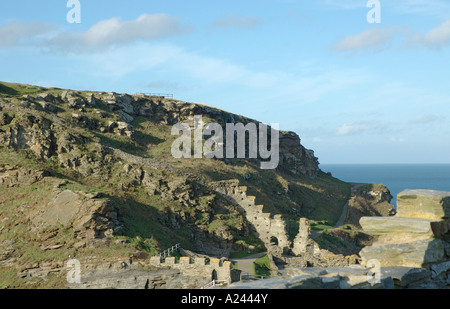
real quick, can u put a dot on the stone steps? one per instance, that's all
(266, 225)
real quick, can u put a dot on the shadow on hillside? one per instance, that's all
(147, 223)
(137, 146)
(128, 145)
(343, 242)
(7, 90)
(146, 139)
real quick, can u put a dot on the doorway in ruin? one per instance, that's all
(214, 275)
(273, 241)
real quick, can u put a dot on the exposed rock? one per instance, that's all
(405, 276)
(30, 132)
(71, 209)
(125, 117)
(426, 204)
(46, 97)
(295, 158)
(416, 236)
(388, 225)
(11, 176)
(355, 277)
(414, 253)
(48, 107)
(5, 119)
(438, 269)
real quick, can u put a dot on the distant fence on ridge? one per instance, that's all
(162, 95)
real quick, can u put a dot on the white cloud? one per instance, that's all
(102, 35)
(421, 7)
(397, 140)
(426, 119)
(436, 38)
(345, 4)
(374, 38)
(23, 33)
(233, 20)
(115, 32)
(378, 39)
(357, 127)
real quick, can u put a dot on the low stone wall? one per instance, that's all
(214, 269)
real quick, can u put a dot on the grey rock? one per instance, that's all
(388, 225)
(429, 204)
(125, 117)
(414, 254)
(347, 271)
(405, 276)
(438, 269)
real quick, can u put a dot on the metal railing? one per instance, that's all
(169, 251)
(162, 95)
(248, 277)
(209, 285)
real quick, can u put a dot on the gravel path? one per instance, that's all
(246, 264)
(343, 217)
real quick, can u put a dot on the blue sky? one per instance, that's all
(355, 92)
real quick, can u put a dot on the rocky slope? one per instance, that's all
(91, 175)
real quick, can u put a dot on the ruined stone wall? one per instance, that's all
(215, 269)
(271, 229)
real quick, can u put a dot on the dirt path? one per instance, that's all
(246, 264)
(343, 217)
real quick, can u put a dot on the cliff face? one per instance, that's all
(42, 135)
(296, 158)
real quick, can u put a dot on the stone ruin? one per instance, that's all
(214, 269)
(412, 252)
(270, 229)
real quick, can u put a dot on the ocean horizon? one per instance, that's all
(396, 177)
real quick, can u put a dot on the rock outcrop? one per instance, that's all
(426, 204)
(11, 176)
(418, 236)
(355, 277)
(90, 217)
(130, 275)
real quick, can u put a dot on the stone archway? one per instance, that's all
(274, 241)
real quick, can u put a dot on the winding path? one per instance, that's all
(343, 217)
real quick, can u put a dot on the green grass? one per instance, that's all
(320, 226)
(12, 89)
(262, 266)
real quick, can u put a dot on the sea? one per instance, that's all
(396, 177)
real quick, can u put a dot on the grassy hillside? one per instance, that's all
(153, 222)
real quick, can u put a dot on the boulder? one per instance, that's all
(417, 253)
(438, 269)
(396, 225)
(83, 214)
(426, 204)
(5, 119)
(62, 209)
(404, 276)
